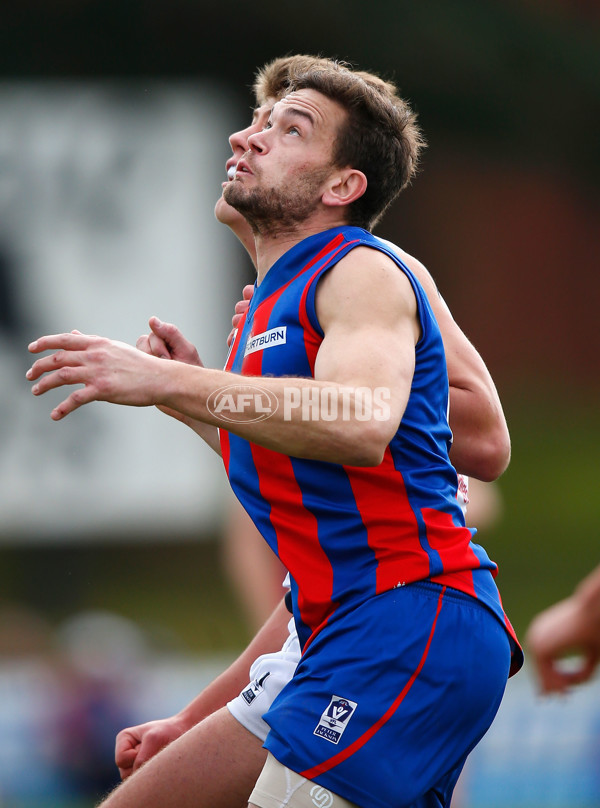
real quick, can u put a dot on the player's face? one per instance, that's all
(279, 182)
(239, 146)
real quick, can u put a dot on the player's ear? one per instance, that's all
(344, 187)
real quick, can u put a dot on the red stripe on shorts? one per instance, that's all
(310, 774)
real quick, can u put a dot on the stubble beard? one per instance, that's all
(274, 211)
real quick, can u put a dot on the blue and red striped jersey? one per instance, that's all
(348, 533)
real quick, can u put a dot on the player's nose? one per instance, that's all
(257, 142)
(239, 140)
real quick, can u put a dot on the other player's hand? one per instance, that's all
(564, 628)
(136, 745)
(166, 341)
(240, 308)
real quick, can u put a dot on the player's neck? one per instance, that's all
(271, 246)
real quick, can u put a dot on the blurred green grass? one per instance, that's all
(547, 538)
(545, 541)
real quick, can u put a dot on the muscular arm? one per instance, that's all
(481, 441)
(370, 347)
(481, 446)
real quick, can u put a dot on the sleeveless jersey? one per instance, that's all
(349, 533)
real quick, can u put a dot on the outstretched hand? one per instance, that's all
(108, 370)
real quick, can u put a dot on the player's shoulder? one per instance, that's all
(364, 285)
(368, 268)
(417, 267)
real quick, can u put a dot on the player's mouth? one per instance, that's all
(233, 167)
(230, 168)
(242, 168)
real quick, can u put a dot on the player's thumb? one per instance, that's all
(166, 331)
(158, 326)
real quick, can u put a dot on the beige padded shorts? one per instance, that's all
(280, 787)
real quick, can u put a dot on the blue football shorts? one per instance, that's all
(392, 695)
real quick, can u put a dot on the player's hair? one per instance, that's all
(379, 137)
(273, 78)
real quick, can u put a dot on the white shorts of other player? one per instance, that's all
(268, 676)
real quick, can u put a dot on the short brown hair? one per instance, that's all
(272, 79)
(380, 136)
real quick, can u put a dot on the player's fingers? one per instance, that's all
(158, 347)
(125, 758)
(553, 683)
(143, 343)
(241, 306)
(146, 751)
(60, 359)
(126, 745)
(547, 676)
(558, 675)
(65, 375)
(248, 291)
(166, 331)
(153, 740)
(75, 341)
(178, 346)
(584, 670)
(126, 749)
(77, 399)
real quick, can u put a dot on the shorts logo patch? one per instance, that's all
(335, 719)
(254, 690)
(321, 797)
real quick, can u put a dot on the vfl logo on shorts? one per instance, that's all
(335, 719)
(255, 689)
(274, 336)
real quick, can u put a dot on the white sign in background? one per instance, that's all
(106, 217)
